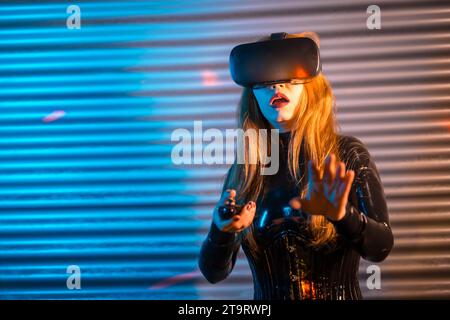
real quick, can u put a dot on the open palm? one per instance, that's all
(328, 194)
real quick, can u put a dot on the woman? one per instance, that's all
(304, 229)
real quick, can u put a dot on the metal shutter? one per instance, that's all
(86, 117)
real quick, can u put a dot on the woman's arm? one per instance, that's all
(218, 254)
(219, 250)
(366, 222)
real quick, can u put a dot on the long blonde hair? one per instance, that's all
(313, 124)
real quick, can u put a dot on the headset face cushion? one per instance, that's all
(272, 61)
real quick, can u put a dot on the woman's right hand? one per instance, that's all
(238, 222)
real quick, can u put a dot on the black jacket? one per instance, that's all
(284, 264)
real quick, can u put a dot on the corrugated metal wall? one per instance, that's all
(86, 116)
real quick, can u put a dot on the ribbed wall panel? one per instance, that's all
(86, 118)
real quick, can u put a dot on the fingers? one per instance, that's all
(237, 222)
(330, 169)
(339, 178)
(316, 172)
(228, 197)
(327, 193)
(343, 181)
(230, 194)
(340, 172)
(296, 203)
(344, 189)
(348, 181)
(334, 174)
(233, 225)
(229, 202)
(248, 213)
(242, 220)
(313, 171)
(224, 225)
(314, 177)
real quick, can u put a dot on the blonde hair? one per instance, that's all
(313, 124)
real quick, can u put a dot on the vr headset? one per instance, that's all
(280, 59)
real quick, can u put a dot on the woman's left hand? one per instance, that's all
(328, 194)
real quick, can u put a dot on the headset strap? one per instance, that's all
(278, 35)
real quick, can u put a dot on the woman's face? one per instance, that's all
(277, 102)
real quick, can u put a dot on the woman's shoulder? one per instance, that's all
(350, 141)
(352, 150)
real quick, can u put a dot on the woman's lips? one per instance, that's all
(279, 104)
(279, 100)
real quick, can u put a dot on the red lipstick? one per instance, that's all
(279, 100)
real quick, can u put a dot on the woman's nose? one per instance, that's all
(275, 85)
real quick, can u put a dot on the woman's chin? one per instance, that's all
(278, 116)
(283, 117)
(281, 122)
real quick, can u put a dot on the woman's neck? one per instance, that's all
(282, 127)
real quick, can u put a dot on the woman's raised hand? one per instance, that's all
(328, 194)
(238, 222)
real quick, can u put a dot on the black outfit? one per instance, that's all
(284, 263)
